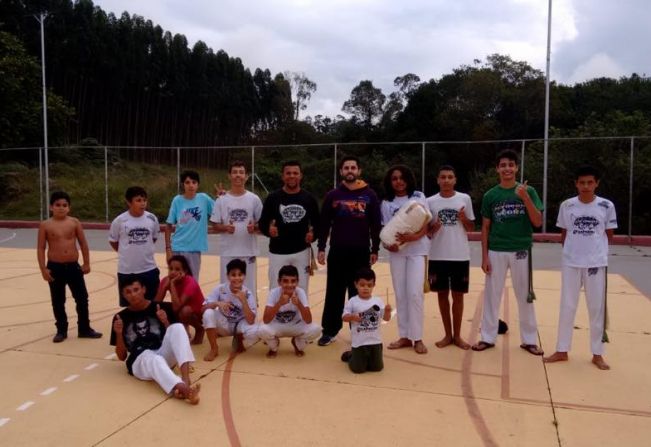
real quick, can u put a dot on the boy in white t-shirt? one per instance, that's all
(287, 314)
(364, 312)
(449, 256)
(587, 224)
(235, 217)
(133, 235)
(230, 309)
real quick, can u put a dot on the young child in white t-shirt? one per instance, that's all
(587, 224)
(364, 313)
(230, 309)
(287, 314)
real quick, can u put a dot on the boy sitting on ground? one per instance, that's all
(146, 335)
(363, 311)
(287, 314)
(230, 310)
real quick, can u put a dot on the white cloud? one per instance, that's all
(597, 66)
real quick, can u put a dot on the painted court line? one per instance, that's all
(71, 378)
(3, 421)
(25, 406)
(49, 391)
(91, 366)
(13, 235)
(110, 357)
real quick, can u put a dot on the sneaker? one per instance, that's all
(89, 333)
(59, 337)
(325, 340)
(345, 357)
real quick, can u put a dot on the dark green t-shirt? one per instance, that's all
(511, 228)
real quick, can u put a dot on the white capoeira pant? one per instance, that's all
(408, 277)
(518, 263)
(594, 282)
(157, 365)
(250, 281)
(302, 332)
(214, 319)
(300, 260)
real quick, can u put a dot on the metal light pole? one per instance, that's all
(41, 19)
(546, 142)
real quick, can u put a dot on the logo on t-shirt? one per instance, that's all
(448, 217)
(238, 215)
(138, 236)
(234, 313)
(584, 225)
(285, 316)
(143, 334)
(352, 207)
(508, 210)
(189, 214)
(292, 213)
(370, 320)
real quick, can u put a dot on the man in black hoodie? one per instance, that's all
(350, 215)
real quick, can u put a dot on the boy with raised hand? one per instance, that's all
(133, 234)
(147, 336)
(59, 235)
(587, 224)
(364, 311)
(287, 314)
(186, 232)
(230, 309)
(509, 212)
(449, 257)
(235, 218)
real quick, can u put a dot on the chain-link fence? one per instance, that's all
(96, 177)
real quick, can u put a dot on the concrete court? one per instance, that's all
(77, 393)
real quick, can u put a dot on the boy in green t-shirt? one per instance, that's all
(509, 211)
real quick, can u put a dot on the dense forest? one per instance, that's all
(124, 81)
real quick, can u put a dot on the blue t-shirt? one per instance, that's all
(191, 220)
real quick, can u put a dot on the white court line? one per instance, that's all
(7, 239)
(25, 406)
(110, 357)
(91, 366)
(71, 378)
(3, 421)
(49, 391)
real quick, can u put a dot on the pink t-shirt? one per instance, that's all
(190, 288)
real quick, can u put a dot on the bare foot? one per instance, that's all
(556, 357)
(420, 347)
(272, 354)
(297, 351)
(600, 362)
(400, 343)
(445, 341)
(212, 355)
(237, 344)
(188, 393)
(461, 343)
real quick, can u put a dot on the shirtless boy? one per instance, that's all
(60, 235)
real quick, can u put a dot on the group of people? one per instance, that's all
(153, 335)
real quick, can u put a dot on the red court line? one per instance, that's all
(227, 412)
(466, 384)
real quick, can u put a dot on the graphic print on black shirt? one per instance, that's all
(292, 213)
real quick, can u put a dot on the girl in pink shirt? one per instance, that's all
(187, 298)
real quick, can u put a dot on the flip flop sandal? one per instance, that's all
(532, 349)
(482, 346)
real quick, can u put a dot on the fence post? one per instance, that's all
(422, 168)
(106, 189)
(178, 170)
(630, 190)
(40, 180)
(522, 162)
(334, 180)
(253, 169)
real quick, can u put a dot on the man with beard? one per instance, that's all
(350, 216)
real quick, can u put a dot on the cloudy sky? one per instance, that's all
(338, 43)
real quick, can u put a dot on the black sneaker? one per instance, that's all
(502, 327)
(89, 333)
(345, 357)
(325, 340)
(59, 337)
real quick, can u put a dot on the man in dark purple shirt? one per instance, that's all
(350, 215)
